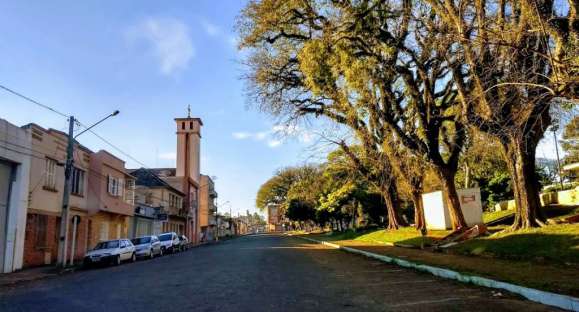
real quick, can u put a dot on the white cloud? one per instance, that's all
(273, 143)
(277, 135)
(168, 156)
(169, 38)
(211, 29)
(241, 135)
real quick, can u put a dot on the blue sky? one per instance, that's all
(148, 59)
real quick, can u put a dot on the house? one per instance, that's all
(45, 199)
(15, 157)
(153, 192)
(207, 208)
(110, 198)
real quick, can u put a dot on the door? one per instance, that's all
(5, 183)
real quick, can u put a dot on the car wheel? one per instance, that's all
(133, 257)
(152, 254)
(118, 260)
(163, 251)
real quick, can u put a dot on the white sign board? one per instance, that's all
(436, 209)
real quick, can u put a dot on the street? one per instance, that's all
(255, 273)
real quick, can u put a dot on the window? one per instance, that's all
(149, 198)
(50, 174)
(130, 192)
(77, 181)
(114, 186)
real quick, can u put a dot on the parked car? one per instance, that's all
(111, 252)
(147, 246)
(169, 242)
(183, 242)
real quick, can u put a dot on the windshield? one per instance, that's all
(165, 237)
(107, 245)
(141, 240)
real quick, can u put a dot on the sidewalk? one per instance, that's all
(27, 275)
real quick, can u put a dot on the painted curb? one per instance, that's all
(544, 297)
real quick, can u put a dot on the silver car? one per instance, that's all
(147, 246)
(111, 252)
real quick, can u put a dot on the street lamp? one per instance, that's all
(63, 235)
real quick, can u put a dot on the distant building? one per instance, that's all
(186, 176)
(207, 208)
(15, 157)
(274, 218)
(153, 192)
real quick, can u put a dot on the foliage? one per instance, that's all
(275, 190)
(570, 142)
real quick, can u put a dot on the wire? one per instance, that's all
(34, 101)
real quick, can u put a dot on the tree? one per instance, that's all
(570, 142)
(512, 60)
(275, 190)
(359, 65)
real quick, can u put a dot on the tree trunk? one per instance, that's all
(392, 206)
(419, 221)
(521, 163)
(451, 197)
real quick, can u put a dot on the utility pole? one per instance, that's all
(557, 153)
(63, 236)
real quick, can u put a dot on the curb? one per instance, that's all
(544, 297)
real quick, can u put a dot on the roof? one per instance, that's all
(148, 177)
(51, 130)
(190, 119)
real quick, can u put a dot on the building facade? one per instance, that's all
(15, 158)
(207, 209)
(153, 191)
(45, 199)
(111, 198)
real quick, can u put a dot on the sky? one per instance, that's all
(150, 60)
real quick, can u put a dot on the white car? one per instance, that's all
(169, 242)
(147, 246)
(111, 252)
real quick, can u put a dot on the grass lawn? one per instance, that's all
(557, 243)
(405, 236)
(545, 258)
(495, 215)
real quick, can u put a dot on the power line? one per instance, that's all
(34, 101)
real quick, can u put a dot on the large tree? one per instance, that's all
(380, 68)
(515, 59)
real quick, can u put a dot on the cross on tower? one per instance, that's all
(189, 111)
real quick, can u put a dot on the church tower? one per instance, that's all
(188, 147)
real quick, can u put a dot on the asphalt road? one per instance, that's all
(255, 273)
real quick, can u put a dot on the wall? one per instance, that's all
(104, 164)
(47, 201)
(15, 224)
(436, 211)
(113, 220)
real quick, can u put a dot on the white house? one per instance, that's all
(15, 155)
